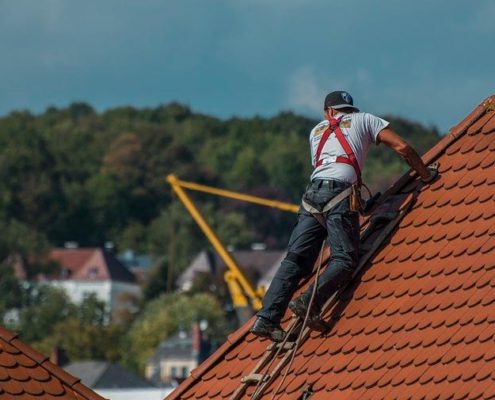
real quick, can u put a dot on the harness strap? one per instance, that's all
(321, 216)
(334, 126)
(333, 123)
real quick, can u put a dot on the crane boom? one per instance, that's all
(238, 284)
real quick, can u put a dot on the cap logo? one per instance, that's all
(346, 97)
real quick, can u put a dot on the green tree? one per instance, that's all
(84, 341)
(163, 316)
(10, 289)
(46, 306)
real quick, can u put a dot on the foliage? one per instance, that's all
(44, 308)
(84, 333)
(156, 282)
(47, 319)
(165, 315)
(10, 289)
(83, 341)
(75, 174)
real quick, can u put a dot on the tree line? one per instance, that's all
(75, 174)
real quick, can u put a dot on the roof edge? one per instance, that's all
(454, 134)
(69, 380)
(210, 361)
(105, 369)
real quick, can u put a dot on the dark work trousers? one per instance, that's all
(342, 234)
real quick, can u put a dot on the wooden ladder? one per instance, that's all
(264, 380)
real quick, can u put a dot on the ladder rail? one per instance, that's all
(272, 355)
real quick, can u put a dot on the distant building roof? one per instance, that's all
(418, 322)
(105, 375)
(259, 265)
(27, 374)
(95, 264)
(181, 346)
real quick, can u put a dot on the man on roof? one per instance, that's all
(330, 209)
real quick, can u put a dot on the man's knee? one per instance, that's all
(294, 266)
(347, 260)
(302, 261)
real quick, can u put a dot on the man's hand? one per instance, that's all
(433, 169)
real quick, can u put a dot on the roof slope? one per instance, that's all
(27, 374)
(91, 264)
(419, 321)
(105, 375)
(257, 264)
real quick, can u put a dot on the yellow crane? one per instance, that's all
(244, 296)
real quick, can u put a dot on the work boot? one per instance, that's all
(263, 327)
(299, 307)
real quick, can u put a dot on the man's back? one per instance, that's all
(360, 130)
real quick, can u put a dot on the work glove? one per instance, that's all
(433, 169)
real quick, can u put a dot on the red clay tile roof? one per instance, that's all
(91, 264)
(27, 374)
(419, 321)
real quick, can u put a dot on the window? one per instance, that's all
(185, 372)
(65, 273)
(173, 372)
(92, 272)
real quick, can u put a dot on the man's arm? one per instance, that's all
(391, 139)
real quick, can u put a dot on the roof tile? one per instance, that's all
(25, 374)
(419, 321)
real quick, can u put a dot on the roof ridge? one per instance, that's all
(107, 365)
(455, 133)
(44, 362)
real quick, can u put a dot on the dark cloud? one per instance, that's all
(429, 61)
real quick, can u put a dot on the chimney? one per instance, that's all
(59, 357)
(196, 339)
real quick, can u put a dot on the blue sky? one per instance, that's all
(431, 61)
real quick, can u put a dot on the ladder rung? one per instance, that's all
(287, 346)
(254, 378)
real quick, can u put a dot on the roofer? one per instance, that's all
(330, 208)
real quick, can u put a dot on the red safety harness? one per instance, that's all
(334, 126)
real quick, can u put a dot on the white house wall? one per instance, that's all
(106, 291)
(79, 290)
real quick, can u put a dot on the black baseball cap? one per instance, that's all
(339, 99)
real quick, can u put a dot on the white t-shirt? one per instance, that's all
(360, 130)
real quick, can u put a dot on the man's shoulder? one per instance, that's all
(364, 118)
(357, 115)
(319, 128)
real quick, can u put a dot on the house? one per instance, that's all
(418, 321)
(177, 356)
(258, 265)
(27, 374)
(139, 264)
(105, 375)
(85, 271)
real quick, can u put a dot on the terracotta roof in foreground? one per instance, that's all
(27, 374)
(418, 322)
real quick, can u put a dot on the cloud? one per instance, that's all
(303, 90)
(306, 88)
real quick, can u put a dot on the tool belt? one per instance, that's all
(320, 210)
(310, 205)
(356, 202)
